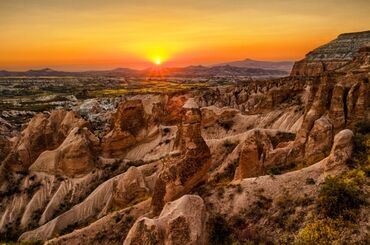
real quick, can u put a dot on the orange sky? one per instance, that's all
(102, 34)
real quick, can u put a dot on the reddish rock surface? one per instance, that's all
(182, 173)
(42, 133)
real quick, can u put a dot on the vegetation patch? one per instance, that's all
(219, 230)
(239, 189)
(235, 231)
(310, 181)
(340, 197)
(24, 242)
(324, 231)
(230, 146)
(282, 137)
(258, 209)
(139, 199)
(285, 205)
(361, 151)
(274, 171)
(228, 174)
(227, 125)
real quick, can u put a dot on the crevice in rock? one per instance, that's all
(330, 95)
(345, 107)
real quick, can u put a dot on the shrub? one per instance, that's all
(166, 130)
(361, 147)
(361, 140)
(258, 209)
(99, 236)
(228, 173)
(282, 137)
(339, 197)
(319, 232)
(310, 181)
(239, 189)
(227, 125)
(130, 218)
(363, 127)
(263, 202)
(220, 191)
(220, 231)
(274, 171)
(304, 201)
(285, 209)
(230, 146)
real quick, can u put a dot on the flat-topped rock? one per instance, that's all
(342, 48)
(332, 55)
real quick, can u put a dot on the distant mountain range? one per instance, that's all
(47, 72)
(246, 67)
(269, 65)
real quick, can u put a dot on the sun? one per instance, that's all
(158, 61)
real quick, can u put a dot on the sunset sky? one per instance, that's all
(103, 34)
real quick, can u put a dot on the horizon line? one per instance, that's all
(59, 68)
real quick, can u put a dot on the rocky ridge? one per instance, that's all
(332, 55)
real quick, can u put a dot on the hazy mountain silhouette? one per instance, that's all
(270, 65)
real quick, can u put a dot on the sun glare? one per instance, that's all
(158, 61)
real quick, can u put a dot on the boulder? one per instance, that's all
(181, 222)
(129, 189)
(319, 140)
(341, 150)
(253, 154)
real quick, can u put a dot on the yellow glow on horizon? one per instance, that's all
(158, 48)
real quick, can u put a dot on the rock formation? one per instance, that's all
(75, 156)
(266, 194)
(168, 110)
(42, 133)
(129, 127)
(182, 173)
(341, 151)
(340, 100)
(121, 191)
(180, 222)
(332, 55)
(5, 134)
(129, 189)
(257, 96)
(319, 140)
(261, 151)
